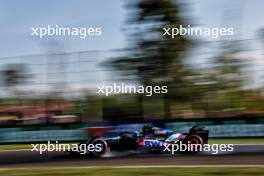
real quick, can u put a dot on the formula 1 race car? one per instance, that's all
(151, 138)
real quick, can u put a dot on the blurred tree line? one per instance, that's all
(155, 59)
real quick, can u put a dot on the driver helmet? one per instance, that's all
(148, 129)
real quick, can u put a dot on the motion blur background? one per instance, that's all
(48, 86)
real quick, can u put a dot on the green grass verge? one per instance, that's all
(215, 171)
(15, 146)
(23, 146)
(237, 141)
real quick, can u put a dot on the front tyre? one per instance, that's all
(196, 143)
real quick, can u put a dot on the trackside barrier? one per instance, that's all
(42, 135)
(250, 130)
(22, 135)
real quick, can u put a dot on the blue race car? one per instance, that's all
(151, 138)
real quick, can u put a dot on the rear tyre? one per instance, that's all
(100, 147)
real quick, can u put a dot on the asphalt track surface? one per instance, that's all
(244, 155)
